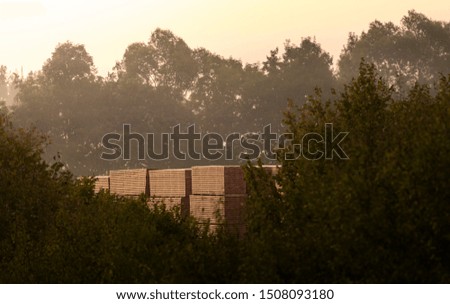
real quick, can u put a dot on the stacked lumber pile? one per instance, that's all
(218, 180)
(129, 182)
(218, 195)
(171, 187)
(208, 208)
(170, 182)
(101, 182)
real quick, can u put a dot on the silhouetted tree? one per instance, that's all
(417, 50)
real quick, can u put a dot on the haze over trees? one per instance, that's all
(417, 50)
(379, 216)
(7, 86)
(162, 83)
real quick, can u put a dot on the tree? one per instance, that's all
(30, 191)
(417, 50)
(293, 76)
(165, 61)
(61, 100)
(3, 83)
(7, 90)
(216, 99)
(69, 63)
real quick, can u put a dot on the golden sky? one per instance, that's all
(246, 30)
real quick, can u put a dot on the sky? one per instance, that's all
(243, 29)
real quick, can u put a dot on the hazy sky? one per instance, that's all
(246, 30)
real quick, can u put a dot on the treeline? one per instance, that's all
(164, 82)
(375, 211)
(379, 215)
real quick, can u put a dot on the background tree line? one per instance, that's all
(164, 82)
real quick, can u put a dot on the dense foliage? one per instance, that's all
(376, 210)
(380, 212)
(417, 50)
(379, 215)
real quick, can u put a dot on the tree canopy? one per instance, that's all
(163, 82)
(416, 51)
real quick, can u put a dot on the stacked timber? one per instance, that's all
(170, 182)
(171, 187)
(129, 182)
(218, 196)
(101, 182)
(218, 180)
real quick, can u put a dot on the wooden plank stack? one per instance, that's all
(218, 180)
(172, 187)
(212, 194)
(218, 195)
(208, 208)
(101, 182)
(129, 182)
(170, 182)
